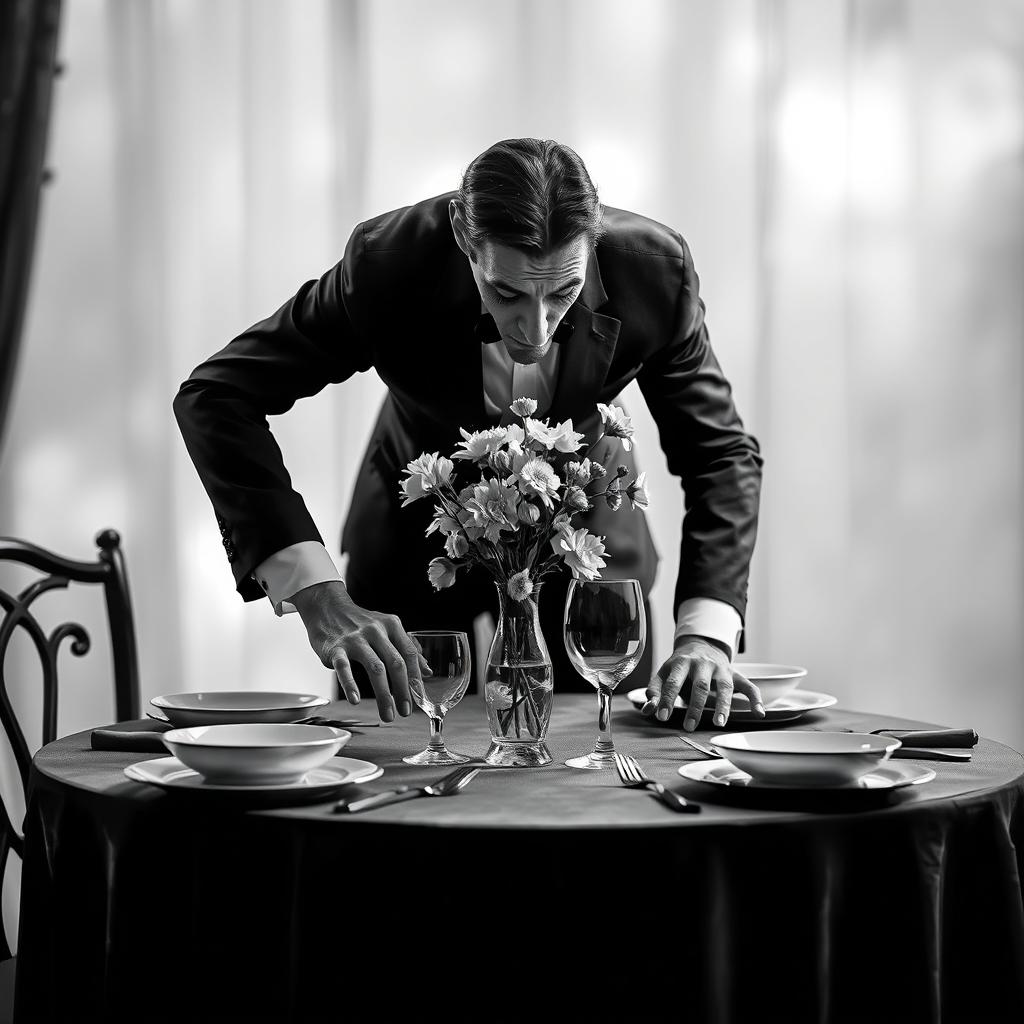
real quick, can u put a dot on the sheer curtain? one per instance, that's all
(848, 175)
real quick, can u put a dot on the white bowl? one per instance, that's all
(774, 681)
(263, 754)
(786, 757)
(219, 707)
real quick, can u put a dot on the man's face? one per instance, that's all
(527, 294)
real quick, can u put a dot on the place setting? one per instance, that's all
(820, 769)
(780, 757)
(262, 747)
(273, 748)
(802, 760)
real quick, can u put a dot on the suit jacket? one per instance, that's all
(403, 301)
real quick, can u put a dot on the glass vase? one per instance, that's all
(519, 685)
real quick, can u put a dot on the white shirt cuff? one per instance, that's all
(704, 616)
(292, 569)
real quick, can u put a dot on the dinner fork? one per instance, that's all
(632, 774)
(452, 783)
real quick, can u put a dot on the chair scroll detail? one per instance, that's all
(17, 612)
(109, 571)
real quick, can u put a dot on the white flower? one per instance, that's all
(481, 443)
(582, 552)
(441, 573)
(436, 470)
(535, 477)
(442, 521)
(561, 437)
(426, 474)
(412, 489)
(499, 696)
(456, 545)
(515, 436)
(579, 473)
(520, 586)
(524, 406)
(492, 509)
(566, 439)
(637, 492)
(534, 430)
(616, 424)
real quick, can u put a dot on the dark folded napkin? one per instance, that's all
(144, 737)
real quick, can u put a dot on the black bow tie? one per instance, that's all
(486, 330)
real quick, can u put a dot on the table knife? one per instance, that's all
(930, 754)
(338, 723)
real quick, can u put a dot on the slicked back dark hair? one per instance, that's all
(531, 195)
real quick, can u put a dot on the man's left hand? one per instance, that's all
(693, 667)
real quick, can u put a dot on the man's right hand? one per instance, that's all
(341, 632)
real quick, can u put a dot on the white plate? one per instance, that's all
(722, 773)
(794, 705)
(216, 707)
(170, 773)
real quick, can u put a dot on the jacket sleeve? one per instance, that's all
(706, 446)
(314, 339)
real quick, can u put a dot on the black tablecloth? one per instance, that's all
(543, 894)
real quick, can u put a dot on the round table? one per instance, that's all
(535, 894)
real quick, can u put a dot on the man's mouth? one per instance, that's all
(531, 352)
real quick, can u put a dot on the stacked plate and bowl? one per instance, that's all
(805, 759)
(249, 741)
(781, 687)
(772, 758)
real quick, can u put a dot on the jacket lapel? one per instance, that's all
(457, 309)
(587, 353)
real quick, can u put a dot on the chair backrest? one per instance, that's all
(56, 572)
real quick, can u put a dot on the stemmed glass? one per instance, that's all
(447, 654)
(605, 631)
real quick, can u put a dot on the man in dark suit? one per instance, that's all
(520, 284)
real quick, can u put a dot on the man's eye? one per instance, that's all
(506, 300)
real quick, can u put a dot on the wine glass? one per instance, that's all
(605, 632)
(447, 654)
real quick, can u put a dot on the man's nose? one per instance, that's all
(535, 327)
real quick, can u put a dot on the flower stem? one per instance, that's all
(533, 707)
(590, 447)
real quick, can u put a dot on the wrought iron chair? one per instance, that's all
(58, 572)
